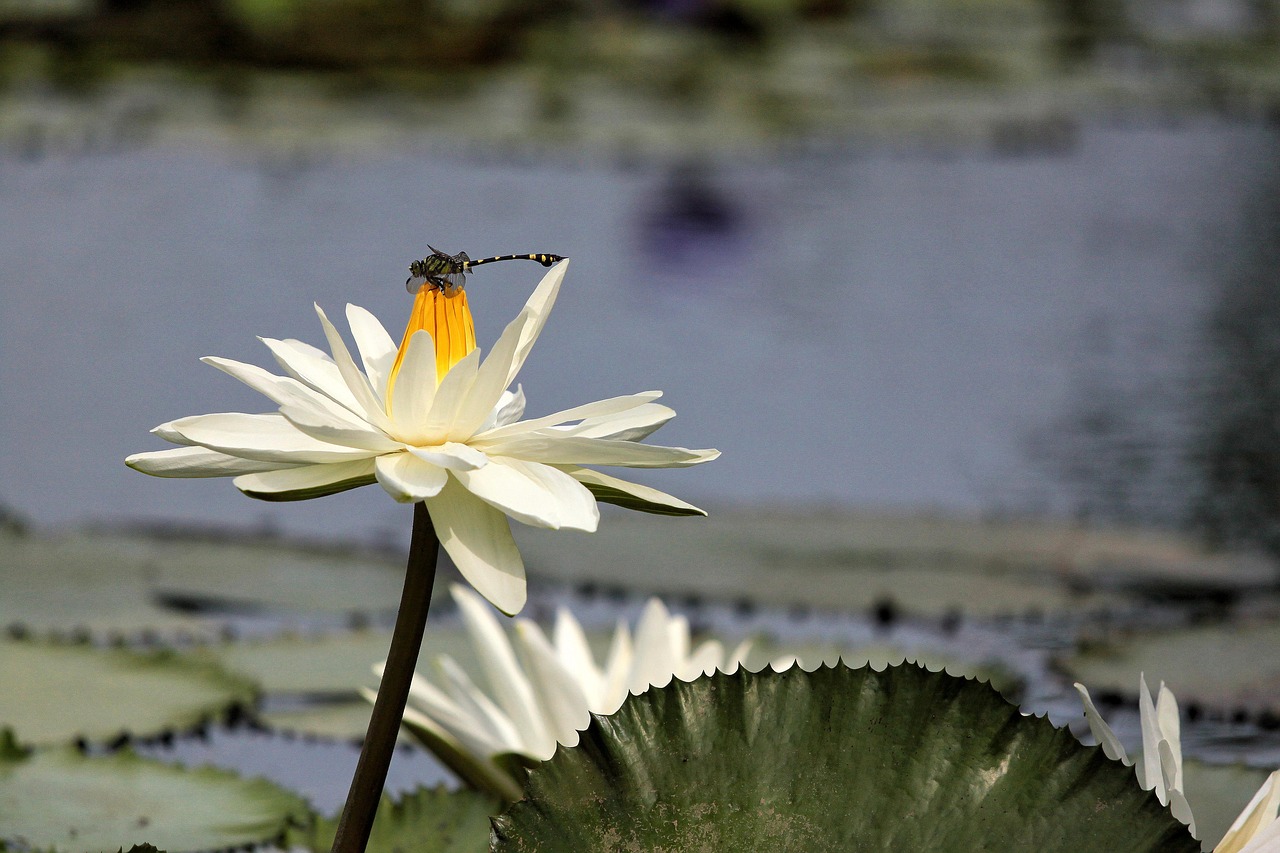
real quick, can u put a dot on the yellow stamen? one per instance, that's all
(447, 318)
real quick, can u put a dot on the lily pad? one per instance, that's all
(851, 561)
(1221, 666)
(60, 800)
(836, 759)
(340, 720)
(312, 684)
(430, 820)
(812, 654)
(330, 663)
(115, 582)
(53, 692)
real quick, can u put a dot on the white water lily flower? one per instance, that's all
(430, 422)
(1256, 830)
(536, 692)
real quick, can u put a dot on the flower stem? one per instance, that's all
(388, 708)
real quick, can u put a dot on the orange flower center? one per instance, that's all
(447, 318)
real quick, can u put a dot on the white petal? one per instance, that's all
(478, 709)
(474, 724)
(467, 761)
(509, 409)
(678, 638)
(537, 495)
(268, 437)
(314, 368)
(600, 408)
(569, 450)
(171, 435)
(278, 389)
(1170, 729)
(409, 479)
(513, 345)
(1258, 817)
(308, 481)
(560, 695)
(491, 380)
(414, 390)
(377, 349)
(634, 425)
(287, 391)
(451, 455)
(539, 308)
(654, 662)
(1111, 746)
(345, 430)
(705, 660)
(371, 406)
(478, 540)
(1152, 777)
(623, 493)
(617, 672)
(507, 681)
(450, 396)
(437, 704)
(311, 411)
(195, 462)
(738, 656)
(1171, 769)
(575, 655)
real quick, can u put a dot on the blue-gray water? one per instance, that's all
(870, 328)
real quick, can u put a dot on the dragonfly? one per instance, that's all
(447, 273)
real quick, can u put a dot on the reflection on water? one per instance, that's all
(884, 329)
(1235, 448)
(692, 227)
(1184, 432)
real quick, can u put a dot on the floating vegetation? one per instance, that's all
(116, 584)
(1018, 77)
(52, 692)
(312, 684)
(429, 820)
(1226, 666)
(813, 654)
(837, 759)
(61, 800)
(924, 565)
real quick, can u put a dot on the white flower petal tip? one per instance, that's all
(531, 693)
(1159, 768)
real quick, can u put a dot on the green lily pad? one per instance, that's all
(1222, 666)
(330, 663)
(341, 720)
(312, 684)
(812, 654)
(52, 692)
(113, 582)
(837, 759)
(60, 800)
(430, 820)
(851, 561)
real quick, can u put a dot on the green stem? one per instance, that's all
(388, 708)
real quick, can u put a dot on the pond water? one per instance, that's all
(910, 329)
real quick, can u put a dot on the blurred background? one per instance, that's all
(987, 256)
(987, 266)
